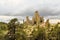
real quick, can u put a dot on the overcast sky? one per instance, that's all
(27, 7)
(47, 8)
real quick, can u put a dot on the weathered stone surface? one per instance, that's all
(36, 19)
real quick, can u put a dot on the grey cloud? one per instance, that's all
(42, 12)
(27, 8)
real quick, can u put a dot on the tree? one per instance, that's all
(58, 30)
(40, 34)
(12, 26)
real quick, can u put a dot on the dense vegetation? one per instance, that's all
(29, 32)
(14, 30)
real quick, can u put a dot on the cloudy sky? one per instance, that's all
(15, 8)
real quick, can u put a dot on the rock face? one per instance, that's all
(36, 19)
(27, 20)
(35, 24)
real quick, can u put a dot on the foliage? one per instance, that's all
(35, 29)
